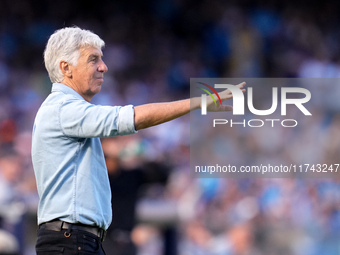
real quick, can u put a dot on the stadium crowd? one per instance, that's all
(152, 50)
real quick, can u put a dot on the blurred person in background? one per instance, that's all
(74, 211)
(12, 208)
(8, 244)
(127, 174)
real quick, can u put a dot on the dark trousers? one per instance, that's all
(67, 241)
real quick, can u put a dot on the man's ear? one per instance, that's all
(66, 69)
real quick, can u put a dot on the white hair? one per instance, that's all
(65, 44)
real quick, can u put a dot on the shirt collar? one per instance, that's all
(59, 87)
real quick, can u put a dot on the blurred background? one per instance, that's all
(153, 48)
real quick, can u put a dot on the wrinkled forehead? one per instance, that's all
(86, 51)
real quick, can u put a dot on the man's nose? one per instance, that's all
(102, 67)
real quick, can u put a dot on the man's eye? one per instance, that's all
(93, 59)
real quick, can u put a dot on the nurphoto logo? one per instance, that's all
(239, 104)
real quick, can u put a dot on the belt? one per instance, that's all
(58, 225)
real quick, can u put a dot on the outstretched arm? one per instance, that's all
(149, 115)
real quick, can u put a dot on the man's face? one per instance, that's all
(88, 74)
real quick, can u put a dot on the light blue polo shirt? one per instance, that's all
(68, 159)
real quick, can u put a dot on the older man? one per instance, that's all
(75, 203)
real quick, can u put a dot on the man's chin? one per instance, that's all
(94, 90)
(99, 85)
(98, 89)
